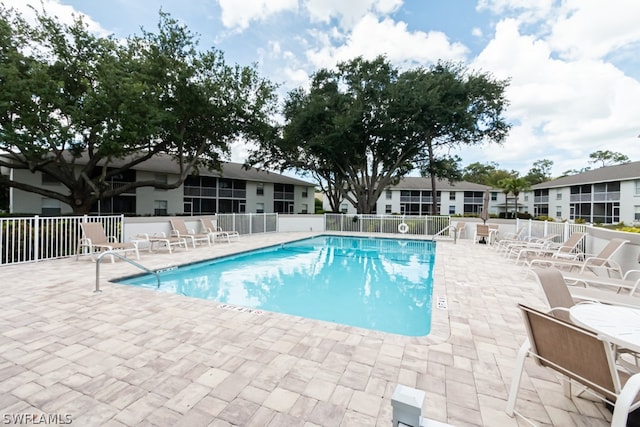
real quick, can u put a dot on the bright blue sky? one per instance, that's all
(574, 65)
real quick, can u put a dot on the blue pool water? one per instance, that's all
(381, 284)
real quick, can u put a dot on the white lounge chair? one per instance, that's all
(210, 228)
(581, 262)
(569, 249)
(158, 240)
(626, 282)
(180, 230)
(95, 239)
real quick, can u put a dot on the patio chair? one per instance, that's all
(567, 250)
(231, 233)
(536, 243)
(95, 239)
(482, 234)
(209, 227)
(561, 298)
(581, 357)
(617, 284)
(160, 239)
(460, 229)
(180, 230)
(518, 235)
(601, 261)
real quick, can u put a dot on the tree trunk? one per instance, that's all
(432, 175)
(506, 205)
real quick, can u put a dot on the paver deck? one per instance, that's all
(136, 357)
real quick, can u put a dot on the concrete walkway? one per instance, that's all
(137, 357)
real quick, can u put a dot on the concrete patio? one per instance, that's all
(136, 357)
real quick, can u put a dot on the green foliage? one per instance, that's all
(365, 125)
(68, 95)
(514, 186)
(630, 229)
(487, 174)
(608, 158)
(545, 218)
(540, 172)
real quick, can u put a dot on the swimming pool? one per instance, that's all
(374, 283)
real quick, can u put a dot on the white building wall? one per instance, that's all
(32, 203)
(147, 196)
(253, 198)
(628, 210)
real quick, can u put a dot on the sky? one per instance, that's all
(573, 66)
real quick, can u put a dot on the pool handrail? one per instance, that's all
(124, 258)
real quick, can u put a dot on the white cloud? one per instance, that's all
(238, 14)
(371, 37)
(350, 12)
(54, 8)
(564, 109)
(593, 29)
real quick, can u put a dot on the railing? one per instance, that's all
(418, 199)
(283, 195)
(544, 228)
(36, 238)
(124, 258)
(420, 225)
(248, 223)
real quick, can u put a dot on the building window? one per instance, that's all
(389, 193)
(305, 193)
(387, 209)
(305, 208)
(49, 180)
(558, 211)
(494, 196)
(558, 196)
(526, 197)
(344, 208)
(160, 207)
(260, 189)
(452, 195)
(259, 207)
(638, 187)
(51, 207)
(637, 214)
(452, 209)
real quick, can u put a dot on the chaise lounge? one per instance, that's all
(95, 239)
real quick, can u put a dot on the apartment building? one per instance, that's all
(607, 195)
(232, 190)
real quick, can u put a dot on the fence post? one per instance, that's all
(36, 237)
(250, 223)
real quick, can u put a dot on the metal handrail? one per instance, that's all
(450, 228)
(124, 258)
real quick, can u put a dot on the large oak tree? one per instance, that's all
(366, 125)
(82, 108)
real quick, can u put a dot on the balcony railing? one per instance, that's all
(282, 195)
(417, 199)
(612, 196)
